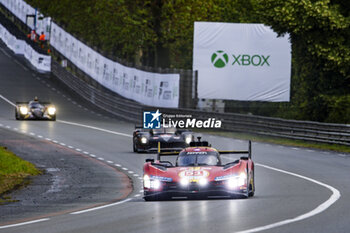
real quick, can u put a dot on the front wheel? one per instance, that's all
(134, 147)
(252, 186)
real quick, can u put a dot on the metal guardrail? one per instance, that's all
(132, 111)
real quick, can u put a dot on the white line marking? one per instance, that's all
(77, 149)
(62, 144)
(118, 165)
(140, 178)
(310, 150)
(8, 101)
(96, 128)
(7, 55)
(342, 155)
(48, 139)
(125, 169)
(322, 207)
(24, 223)
(1, 125)
(109, 161)
(295, 148)
(39, 136)
(7, 126)
(141, 191)
(100, 158)
(101, 207)
(136, 175)
(70, 147)
(137, 195)
(85, 152)
(33, 134)
(54, 141)
(92, 155)
(15, 129)
(131, 172)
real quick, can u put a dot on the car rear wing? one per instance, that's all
(249, 151)
(43, 103)
(17, 103)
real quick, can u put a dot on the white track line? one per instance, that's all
(95, 128)
(8, 101)
(101, 207)
(24, 223)
(319, 209)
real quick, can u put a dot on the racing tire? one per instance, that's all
(16, 115)
(252, 186)
(134, 147)
(53, 118)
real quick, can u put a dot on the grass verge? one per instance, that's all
(14, 172)
(280, 141)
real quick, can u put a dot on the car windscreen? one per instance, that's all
(202, 158)
(34, 105)
(164, 131)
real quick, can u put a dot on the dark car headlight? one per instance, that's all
(143, 140)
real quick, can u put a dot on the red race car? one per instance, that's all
(198, 172)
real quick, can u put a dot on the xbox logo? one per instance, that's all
(219, 59)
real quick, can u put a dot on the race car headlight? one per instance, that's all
(51, 110)
(144, 140)
(184, 181)
(203, 181)
(155, 184)
(23, 110)
(188, 139)
(146, 181)
(237, 181)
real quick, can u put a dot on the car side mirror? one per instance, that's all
(150, 160)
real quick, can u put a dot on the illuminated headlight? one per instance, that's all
(188, 139)
(155, 184)
(150, 183)
(237, 181)
(146, 181)
(51, 110)
(202, 181)
(144, 140)
(184, 181)
(23, 110)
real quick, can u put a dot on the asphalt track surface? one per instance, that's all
(297, 189)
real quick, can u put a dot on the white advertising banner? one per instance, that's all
(161, 90)
(245, 62)
(39, 61)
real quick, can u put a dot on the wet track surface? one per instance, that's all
(79, 126)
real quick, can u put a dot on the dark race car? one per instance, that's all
(171, 139)
(35, 110)
(199, 173)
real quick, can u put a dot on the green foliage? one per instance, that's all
(13, 170)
